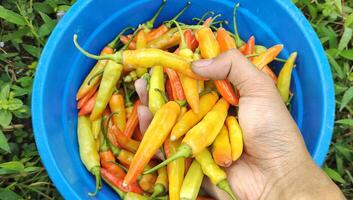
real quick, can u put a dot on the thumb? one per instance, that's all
(235, 67)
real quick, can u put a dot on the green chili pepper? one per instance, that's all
(155, 98)
(284, 77)
(192, 182)
(110, 78)
(88, 151)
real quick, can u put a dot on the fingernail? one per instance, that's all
(202, 63)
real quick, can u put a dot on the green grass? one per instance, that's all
(25, 26)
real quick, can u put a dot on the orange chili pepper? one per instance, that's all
(266, 57)
(157, 132)
(118, 182)
(250, 47)
(208, 44)
(165, 41)
(169, 90)
(117, 106)
(225, 41)
(137, 134)
(156, 33)
(221, 150)
(124, 141)
(177, 89)
(132, 122)
(88, 107)
(87, 97)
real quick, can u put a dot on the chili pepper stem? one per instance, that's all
(169, 23)
(113, 43)
(96, 172)
(157, 190)
(203, 17)
(224, 185)
(184, 151)
(150, 23)
(238, 40)
(117, 57)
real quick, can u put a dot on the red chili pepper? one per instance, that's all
(124, 141)
(88, 107)
(177, 88)
(225, 88)
(169, 90)
(125, 39)
(87, 97)
(137, 134)
(250, 47)
(132, 122)
(118, 182)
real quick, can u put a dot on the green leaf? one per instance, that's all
(45, 17)
(348, 122)
(340, 89)
(32, 169)
(23, 112)
(347, 97)
(16, 35)
(43, 7)
(338, 4)
(5, 92)
(5, 118)
(336, 66)
(7, 194)
(11, 16)
(334, 175)
(11, 167)
(34, 51)
(348, 54)
(349, 20)
(46, 29)
(3, 143)
(15, 104)
(345, 151)
(346, 38)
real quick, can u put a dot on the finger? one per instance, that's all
(141, 90)
(239, 70)
(145, 117)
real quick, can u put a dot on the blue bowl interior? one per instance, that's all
(62, 69)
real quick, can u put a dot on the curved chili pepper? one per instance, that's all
(284, 77)
(221, 149)
(156, 89)
(177, 89)
(207, 129)
(154, 137)
(235, 137)
(225, 41)
(117, 106)
(165, 41)
(214, 172)
(87, 97)
(161, 185)
(88, 152)
(124, 141)
(265, 58)
(190, 118)
(118, 182)
(88, 107)
(192, 182)
(110, 77)
(132, 122)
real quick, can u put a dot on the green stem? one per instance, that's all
(117, 57)
(113, 43)
(158, 189)
(184, 151)
(128, 102)
(100, 73)
(165, 98)
(203, 17)
(183, 43)
(238, 40)
(281, 60)
(96, 172)
(130, 40)
(169, 23)
(150, 23)
(224, 185)
(214, 18)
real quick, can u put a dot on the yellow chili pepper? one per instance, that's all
(156, 89)
(165, 41)
(161, 185)
(201, 135)
(235, 137)
(208, 44)
(221, 149)
(207, 101)
(284, 77)
(141, 43)
(96, 127)
(154, 137)
(192, 182)
(117, 106)
(214, 172)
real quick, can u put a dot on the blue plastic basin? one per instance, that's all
(62, 69)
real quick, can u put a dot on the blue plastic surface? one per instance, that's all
(62, 69)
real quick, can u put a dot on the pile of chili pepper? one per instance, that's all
(151, 128)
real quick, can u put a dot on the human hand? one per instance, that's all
(275, 163)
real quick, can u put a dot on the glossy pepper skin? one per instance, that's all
(161, 185)
(225, 41)
(266, 57)
(214, 172)
(284, 77)
(235, 137)
(118, 182)
(190, 118)
(87, 97)
(116, 105)
(132, 122)
(141, 43)
(110, 77)
(192, 182)
(88, 107)
(124, 141)
(176, 86)
(88, 151)
(154, 137)
(165, 41)
(208, 44)
(156, 89)
(221, 150)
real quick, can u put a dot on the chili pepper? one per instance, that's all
(83, 101)
(169, 90)
(214, 172)
(129, 106)
(147, 181)
(110, 77)
(96, 127)
(242, 49)
(260, 49)
(161, 185)
(165, 41)
(200, 86)
(207, 129)
(124, 141)
(265, 58)
(117, 190)
(154, 137)
(117, 106)
(208, 44)
(88, 107)
(88, 152)
(146, 58)
(250, 47)
(141, 43)
(188, 162)
(117, 182)
(235, 137)
(225, 41)
(137, 134)
(204, 198)
(284, 77)
(132, 122)
(221, 149)
(134, 196)
(191, 118)
(90, 81)
(192, 182)
(225, 88)
(124, 39)
(176, 169)
(177, 89)
(267, 70)
(156, 87)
